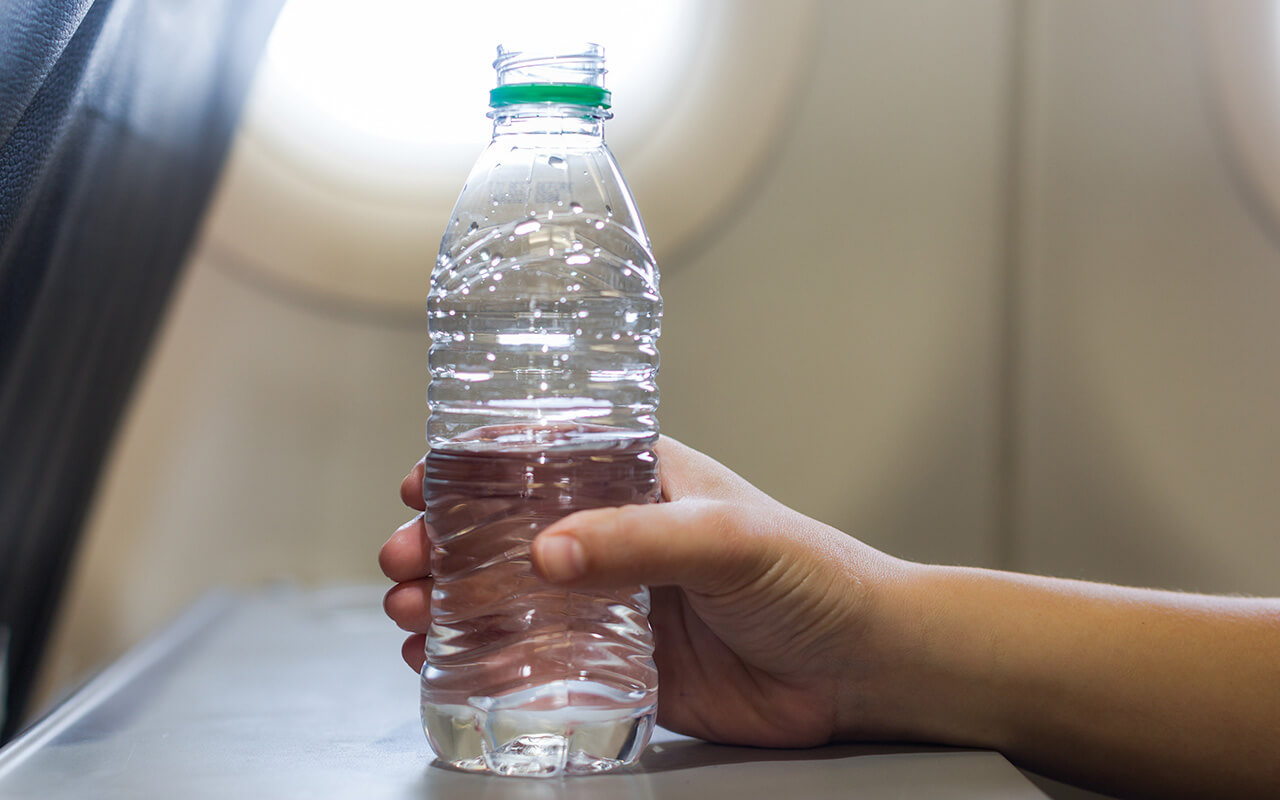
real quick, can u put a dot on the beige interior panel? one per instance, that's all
(1150, 432)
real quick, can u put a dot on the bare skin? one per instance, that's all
(772, 629)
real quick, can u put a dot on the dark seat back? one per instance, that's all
(115, 116)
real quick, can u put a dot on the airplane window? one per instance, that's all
(365, 118)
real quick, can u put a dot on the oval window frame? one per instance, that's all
(1242, 48)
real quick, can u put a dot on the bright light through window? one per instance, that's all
(365, 117)
(418, 73)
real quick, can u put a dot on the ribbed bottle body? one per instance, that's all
(544, 304)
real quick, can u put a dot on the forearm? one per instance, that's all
(1139, 691)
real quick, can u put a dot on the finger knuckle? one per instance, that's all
(720, 517)
(391, 602)
(627, 520)
(735, 537)
(386, 560)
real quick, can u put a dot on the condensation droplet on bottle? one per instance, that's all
(616, 336)
(497, 276)
(493, 288)
(575, 208)
(543, 386)
(555, 161)
(473, 227)
(537, 312)
(608, 209)
(528, 226)
(490, 357)
(493, 262)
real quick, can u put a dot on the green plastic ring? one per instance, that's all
(572, 93)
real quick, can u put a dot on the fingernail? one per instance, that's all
(561, 557)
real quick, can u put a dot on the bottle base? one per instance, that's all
(537, 755)
(547, 743)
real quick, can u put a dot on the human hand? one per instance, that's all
(772, 629)
(763, 618)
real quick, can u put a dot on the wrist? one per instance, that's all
(924, 673)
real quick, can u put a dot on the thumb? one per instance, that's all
(696, 544)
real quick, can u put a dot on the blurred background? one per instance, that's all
(992, 283)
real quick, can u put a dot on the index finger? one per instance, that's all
(687, 473)
(411, 487)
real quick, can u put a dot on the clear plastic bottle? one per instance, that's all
(544, 316)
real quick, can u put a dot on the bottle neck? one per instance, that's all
(583, 123)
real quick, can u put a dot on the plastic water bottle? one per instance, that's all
(544, 315)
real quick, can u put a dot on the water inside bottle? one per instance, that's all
(524, 678)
